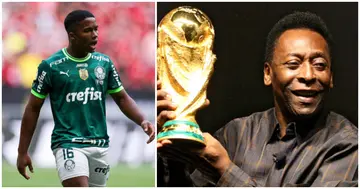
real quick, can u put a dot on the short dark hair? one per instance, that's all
(296, 20)
(75, 17)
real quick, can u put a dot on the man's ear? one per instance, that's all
(72, 36)
(267, 74)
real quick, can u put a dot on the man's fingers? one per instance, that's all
(151, 137)
(158, 145)
(166, 142)
(26, 176)
(163, 117)
(149, 130)
(158, 84)
(31, 167)
(163, 143)
(22, 171)
(206, 104)
(162, 95)
(150, 140)
(165, 105)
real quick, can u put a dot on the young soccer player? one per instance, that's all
(77, 80)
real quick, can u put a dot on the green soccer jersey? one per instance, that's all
(77, 90)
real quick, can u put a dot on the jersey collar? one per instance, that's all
(75, 59)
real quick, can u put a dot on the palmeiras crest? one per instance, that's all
(100, 74)
(69, 164)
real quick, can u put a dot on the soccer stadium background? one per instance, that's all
(33, 31)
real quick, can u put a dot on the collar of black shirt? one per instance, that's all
(303, 130)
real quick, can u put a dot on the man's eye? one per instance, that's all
(320, 66)
(292, 65)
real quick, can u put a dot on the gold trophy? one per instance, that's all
(185, 62)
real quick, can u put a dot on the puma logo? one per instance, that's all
(65, 73)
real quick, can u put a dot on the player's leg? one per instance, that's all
(81, 181)
(98, 167)
(72, 166)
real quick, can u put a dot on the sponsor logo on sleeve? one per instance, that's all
(116, 75)
(41, 78)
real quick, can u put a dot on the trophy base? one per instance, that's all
(185, 143)
(182, 134)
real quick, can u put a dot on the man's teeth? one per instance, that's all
(306, 93)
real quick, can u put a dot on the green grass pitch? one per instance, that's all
(120, 176)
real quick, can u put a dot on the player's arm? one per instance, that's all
(28, 125)
(40, 88)
(128, 106)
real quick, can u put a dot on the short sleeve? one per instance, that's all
(42, 84)
(114, 82)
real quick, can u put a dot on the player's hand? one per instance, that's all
(23, 161)
(149, 130)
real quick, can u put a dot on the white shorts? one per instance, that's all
(90, 162)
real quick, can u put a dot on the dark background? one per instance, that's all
(236, 88)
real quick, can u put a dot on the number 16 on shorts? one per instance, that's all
(68, 155)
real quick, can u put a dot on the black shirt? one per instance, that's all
(319, 153)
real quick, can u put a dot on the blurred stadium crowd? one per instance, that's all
(34, 31)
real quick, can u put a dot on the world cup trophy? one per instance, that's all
(185, 62)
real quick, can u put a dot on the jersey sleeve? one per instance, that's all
(42, 84)
(114, 82)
